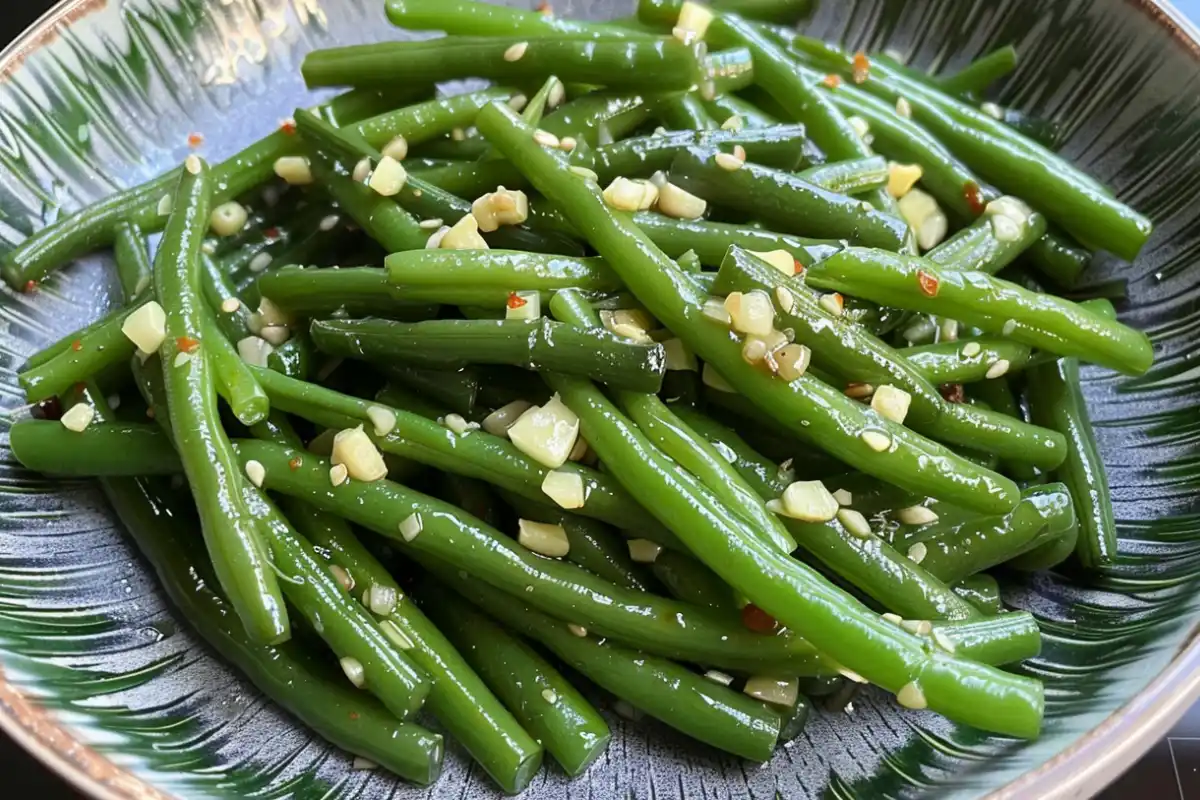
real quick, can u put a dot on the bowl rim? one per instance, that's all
(1081, 770)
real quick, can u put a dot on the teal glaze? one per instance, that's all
(570, 729)
(671, 693)
(531, 344)
(663, 64)
(976, 298)
(655, 625)
(230, 530)
(785, 201)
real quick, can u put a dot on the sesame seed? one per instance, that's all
(577, 630)
(256, 472)
(917, 552)
(876, 440)
(338, 474)
(585, 173)
(181, 359)
(942, 640)
(895, 619)
(567, 143)
(550, 696)
(1009, 327)
(430, 224)
(515, 52)
(230, 305)
(329, 223)
(903, 107)
(260, 262)
(193, 165)
(971, 349)
(545, 138)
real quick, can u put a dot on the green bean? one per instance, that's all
(767, 479)
(545, 703)
(532, 344)
(656, 625)
(779, 146)
(804, 406)
(949, 362)
(456, 391)
(683, 112)
(688, 580)
(381, 666)
(784, 588)
(234, 381)
(710, 240)
(78, 357)
(785, 201)
(1004, 639)
(599, 118)
(118, 450)
(981, 591)
(848, 177)
(348, 719)
(426, 121)
(488, 277)
(997, 395)
(775, 73)
(690, 450)
(855, 356)
(976, 77)
(724, 107)
(476, 455)
(294, 357)
(993, 241)
(1018, 165)
(361, 291)
(594, 546)
(666, 12)
(664, 64)
(382, 219)
(133, 262)
(959, 190)
(954, 550)
(686, 701)
(234, 544)
(991, 304)
(470, 178)
(463, 17)
(459, 699)
(1055, 400)
(730, 70)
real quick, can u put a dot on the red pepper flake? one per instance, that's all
(296, 463)
(77, 345)
(288, 126)
(516, 301)
(797, 267)
(952, 392)
(271, 233)
(928, 283)
(195, 140)
(832, 81)
(544, 8)
(974, 197)
(758, 620)
(187, 344)
(862, 67)
(30, 286)
(353, 715)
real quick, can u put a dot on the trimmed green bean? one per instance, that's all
(961, 362)
(348, 719)
(993, 305)
(848, 177)
(767, 478)
(981, 591)
(383, 220)
(683, 112)
(457, 391)
(664, 13)
(545, 703)
(779, 146)
(711, 240)
(133, 260)
(994, 240)
(361, 291)
(230, 530)
(488, 277)
(463, 17)
(975, 78)
(729, 70)
(531, 344)
(664, 64)
(1055, 400)
(234, 381)
(1003, 639)
(688, 580)
(785, 201)
(725, 106)
(686, 701)
(78, 357)
(599, 118)
(653, 624)
(118, 450)
(423, 122)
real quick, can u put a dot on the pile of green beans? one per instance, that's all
(562, 346)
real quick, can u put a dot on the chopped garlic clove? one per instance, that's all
(146, 327)
(255, 350)
(891, 403)
(715, 380)
(792, 361)
(382, 419)
(463, 236)
(396, 149)
(547, 433)
(809, 501)
(388, 177)
(542, 538)
(353, 448)
(916, 515)
(781, 260)
(294, 169)
(228, 218)
(624, 194)
(644, 551)
(925, 217)
(679, 203)
(775, 691)
(501, 207)
(902, 178)
(751, 313)
(523, 305)
(564, 488)
(78, 417)
(678, 357)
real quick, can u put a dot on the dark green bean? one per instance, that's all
(547, 705)
(726, 106)
(133, 261)
(730, 70)
(981, 591)
(463, 17)
(993, 241)
(531, 344)
(119, 450)
(234, 381)
(848, 177)
(690, 581)
(488, 277)
(1003, 639)
(683, 112)
(767, 478)
(960, 362)
(778, 146)
(361, 291)
(710, 240)
(976, 77)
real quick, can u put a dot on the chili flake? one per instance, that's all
(928, 283)
(797, 267)
(862, 67)
(187, 344)
(30, 285)
(296, 463)
(974, 197)
(516, 301)
(77, 345)
(832, 81)
(288, 126)
(195, 140)
(758, 620)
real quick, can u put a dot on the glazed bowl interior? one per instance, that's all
(104, 681)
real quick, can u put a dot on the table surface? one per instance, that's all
(1171, 769)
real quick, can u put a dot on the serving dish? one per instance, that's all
(102, 681)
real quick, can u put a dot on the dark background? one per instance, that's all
(1171, 769)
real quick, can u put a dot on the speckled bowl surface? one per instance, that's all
(101, 680)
